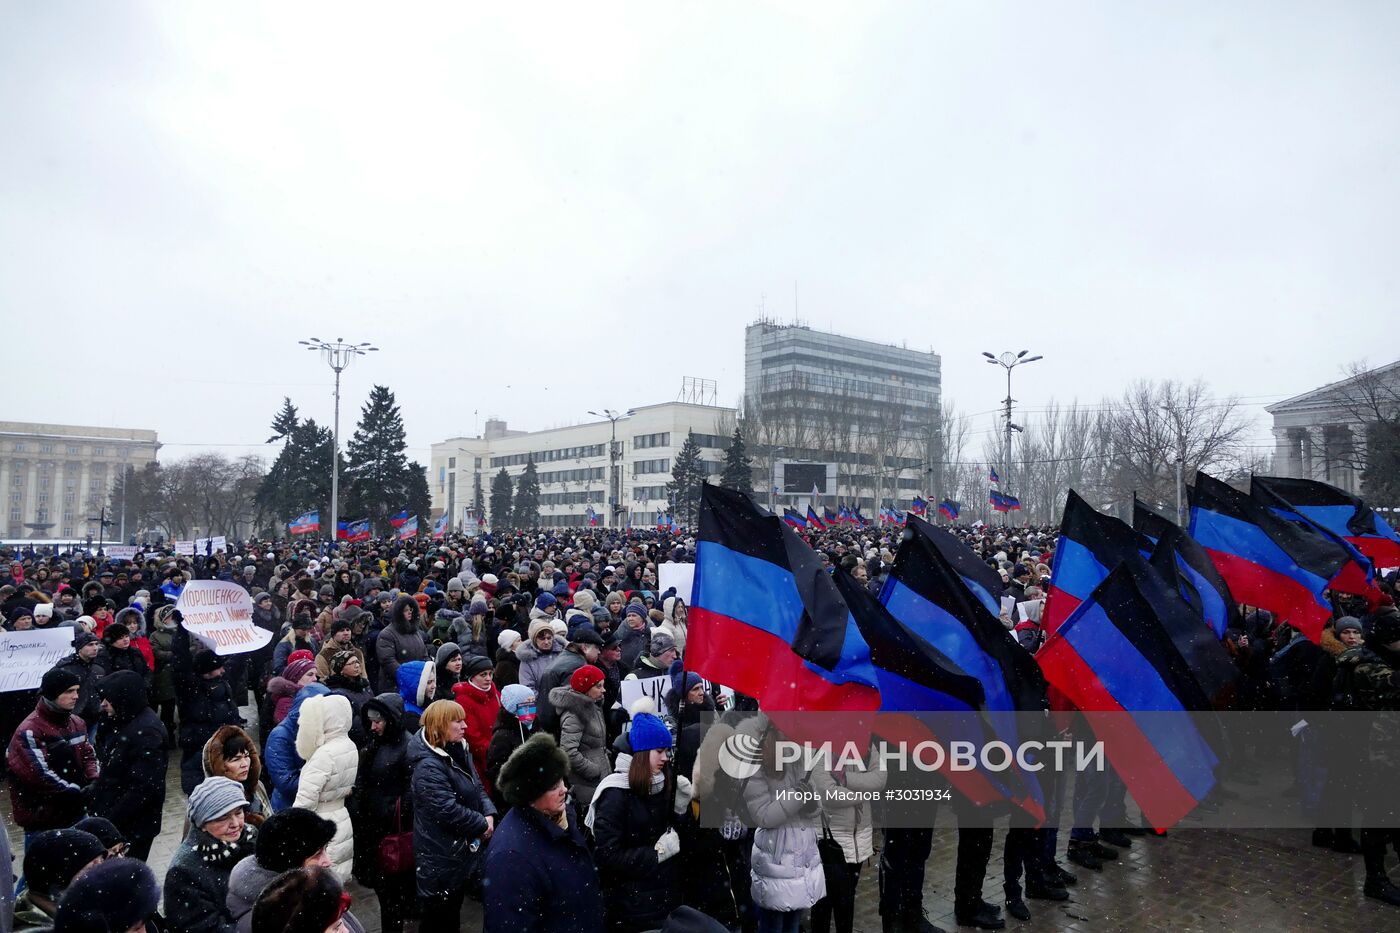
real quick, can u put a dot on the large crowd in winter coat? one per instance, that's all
(443, 719)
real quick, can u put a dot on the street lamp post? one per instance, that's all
(614, 464)
(1180, 462)
(1009, 361)
(338, 356)
(773, 478)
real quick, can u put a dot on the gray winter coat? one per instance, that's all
(584, 738)
(533, 665)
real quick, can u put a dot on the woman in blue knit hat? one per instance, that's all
(633, 818)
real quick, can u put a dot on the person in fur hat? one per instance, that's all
(540, 877)
(232, 753)
(116, 895)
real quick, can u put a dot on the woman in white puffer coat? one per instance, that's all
(323, 741)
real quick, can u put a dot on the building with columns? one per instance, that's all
(1322, 434)
(56, 477)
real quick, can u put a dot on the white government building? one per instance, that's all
(574, 465)
(1321, 434)
(58, 476)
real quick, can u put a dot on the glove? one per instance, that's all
(684, 792)
(668, 845)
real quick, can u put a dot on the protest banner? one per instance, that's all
(657, 687)
(121, 551)
(220, 614)
(25, 656)
(201, 546)
(681, 576)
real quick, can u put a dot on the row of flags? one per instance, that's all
(1134, 617)
(1003, 502)
(406, 526)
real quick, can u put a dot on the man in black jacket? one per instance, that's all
(130, 788)
(584, 649)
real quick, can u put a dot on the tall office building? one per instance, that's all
(852, 419)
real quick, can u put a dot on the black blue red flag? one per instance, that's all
(766, 619)
(1089, 547)
(1180, 559)
(931, 597)
(1358, 576)
(1114, 659)
(398, 520)
(1267, 560)
(950, 509)
(814, 520)
(794, 519)
(1341, 513)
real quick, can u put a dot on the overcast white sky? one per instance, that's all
(539, 211)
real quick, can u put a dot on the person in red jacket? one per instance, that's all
(479, 698)
(50, 759)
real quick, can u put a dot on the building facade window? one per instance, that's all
(643, 441)
(99, 451)
(72, 450)
(645, 467)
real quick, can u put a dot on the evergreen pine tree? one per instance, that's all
(378, 478)
(687, 476)
(300, 478)
(738, 468)
(500, 501)
(285, 422)
(526, 511)
(418, 497)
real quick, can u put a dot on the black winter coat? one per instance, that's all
(130, 789)
(88, 674)
(196, 884)
(506, 736)
(557, 676)
(638, 890)
(384, 779)
(449, 812)
(124, 659)
(540, 878)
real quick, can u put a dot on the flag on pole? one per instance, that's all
(398, 520)
(305, 523)
(794, 519)
(814, 520)
(919, 506)
(440, 527)
(408, 529)
(592, 516)
(950, 509)
(992, 474)
(357, 531)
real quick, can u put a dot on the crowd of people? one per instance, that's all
(443, 719)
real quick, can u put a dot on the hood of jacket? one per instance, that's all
(567, 699)
(323, 719)
(413, 680)
(126, 691)
(526, 652)
(415, 623)
(134, 619)
(214, 756)
(389, 706)
(304, 694)
(280, 686)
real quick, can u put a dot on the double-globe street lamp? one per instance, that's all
(1009, 361)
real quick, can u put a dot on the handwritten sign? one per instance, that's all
(220, 614)
(657, 687)
(681, 576)
(121, 551)
(25, 656)
(201, 546)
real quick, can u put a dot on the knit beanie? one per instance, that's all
(585, 600)
(287, 839)
(213, 798)
(514, 695)
(301, 654)
(206, 662)
(55, 681)
(1348, 623)
(647, 733)
(479, 607)
(585, 678)
(43, 611)
(295, 670)
(546, 601)
(539, 625)
(342, 658)
(507, 639)
(682, 680)
(110, 897)
(475, 665)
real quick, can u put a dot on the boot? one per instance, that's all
(983, 917)
(1057, 876)
(1381, 888)
(1043, 889)
(1105, 853)
(1116, 837)
(1017, 908)
(1085, 857)
(915, 922)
